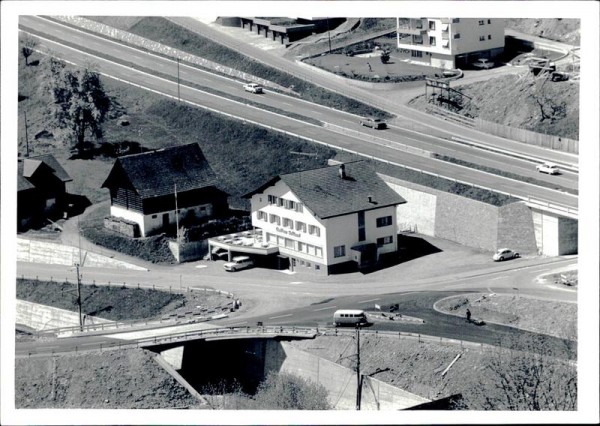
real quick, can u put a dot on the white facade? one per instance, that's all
(149, 223)
(314, 243)
(440, 42)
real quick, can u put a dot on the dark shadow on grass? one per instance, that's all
(76, 204)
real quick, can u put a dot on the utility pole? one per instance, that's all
(177, 216)
(26, 137)
(178, 96)
(79, 297)
(329, 35)
(358, 375)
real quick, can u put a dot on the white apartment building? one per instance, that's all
(450, 42)
(328, 219)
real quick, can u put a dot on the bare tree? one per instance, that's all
(285, 391)
(532, 377)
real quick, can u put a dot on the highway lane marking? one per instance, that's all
(323, 309)
(370, 300)
(499, 278)
(295, 282)
(281, 316)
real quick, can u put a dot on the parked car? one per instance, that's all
(550, 168)
(504, 254)
(483, 64)
(372, 122)
(253, 88)
(237, 263)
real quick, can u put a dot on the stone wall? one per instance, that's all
(568, 232)
(516, 228)
(122, 226)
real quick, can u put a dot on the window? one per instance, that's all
(314, 230)
(432, 25)
(362, 235)
(273, 218)
(299, 207)
(317, 267)
(489, 36)
(455, 20)
(272, 199)
(288, 223)
(280, 202)
(457, 35)
(300, 226)
(384, 221)
(308, 264)
(385, 240)
(260, 215)
(290, 205)
(481, 22)
(417, 39)
(416, 53)
(300, 246)
(339, 251)
(289, 243)
(318, 252)
(432, 41)
(481, 38)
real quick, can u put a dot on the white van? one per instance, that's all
(349, 316)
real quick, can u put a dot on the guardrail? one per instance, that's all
(190, 316)
(248, 332)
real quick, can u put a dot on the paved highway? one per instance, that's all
(389, 149)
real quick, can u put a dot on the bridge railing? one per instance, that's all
(249, 332)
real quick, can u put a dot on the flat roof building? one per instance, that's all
(450, 42)
(329, 219)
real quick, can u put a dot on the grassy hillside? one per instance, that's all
(564, 30)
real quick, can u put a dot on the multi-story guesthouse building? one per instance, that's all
(153, 191)
(328, 219)
(450, 42)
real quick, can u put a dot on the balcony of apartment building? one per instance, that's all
(413, 26)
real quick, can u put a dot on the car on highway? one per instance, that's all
(373, 122)
(550, 168)
(505, 254)
(237, 263)
(483, 64)
(253, 88)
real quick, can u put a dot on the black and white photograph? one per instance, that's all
(335, 212)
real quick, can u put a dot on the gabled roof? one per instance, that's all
(27, 167)
(327, 194)
(156, 173)
(31, 164)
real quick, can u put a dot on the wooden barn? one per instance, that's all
(155, 190)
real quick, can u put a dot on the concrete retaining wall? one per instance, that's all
(472, 223)
(58, 254)
(188, 252)
(339, 381)
(42, 317)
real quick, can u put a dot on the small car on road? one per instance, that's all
(237, 263)
(373, 122)
(253, 88)
(550, 168)
(504, 254)
(483, 64)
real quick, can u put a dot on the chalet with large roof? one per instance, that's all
(41, 190)
(328, 219)
(157, 189)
